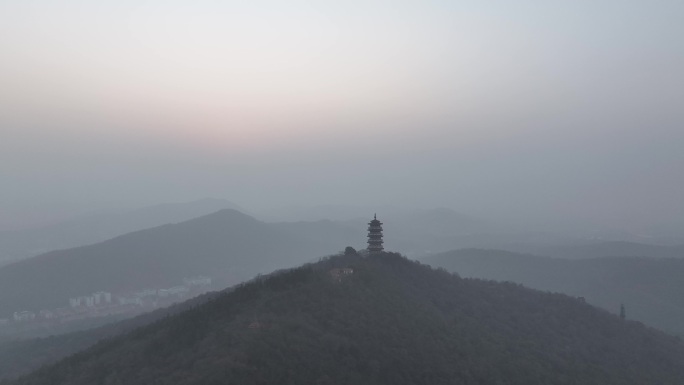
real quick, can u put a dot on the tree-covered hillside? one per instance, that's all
(386, 321)
(651, 288)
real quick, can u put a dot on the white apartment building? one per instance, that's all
(24, 315)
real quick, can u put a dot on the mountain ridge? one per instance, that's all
(226, 244)
(98, 227)
(613, 249)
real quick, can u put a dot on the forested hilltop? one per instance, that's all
(379, 320)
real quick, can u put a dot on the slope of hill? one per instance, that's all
(391, 321)
(228, 246)
(651, 289)
(99, 227)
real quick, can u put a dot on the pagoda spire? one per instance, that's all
(375, 236)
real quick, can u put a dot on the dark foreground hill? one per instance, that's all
(227, 245)
(391, 321)
(651, 288)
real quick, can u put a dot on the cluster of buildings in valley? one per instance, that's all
(95, 299)
(102, 303)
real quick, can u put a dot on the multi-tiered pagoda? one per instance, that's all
(375, 236)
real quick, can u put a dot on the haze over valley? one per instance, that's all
(358, 192)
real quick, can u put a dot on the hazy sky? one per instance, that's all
(515, 109)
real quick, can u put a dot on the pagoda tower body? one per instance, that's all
(375, 236)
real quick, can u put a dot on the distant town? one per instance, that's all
(103, 304)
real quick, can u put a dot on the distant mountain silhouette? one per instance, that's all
(385, 321)
(415, 232)
(100, 227)
(613, 249)
(651, 288)
(227, 245)
(428, 231)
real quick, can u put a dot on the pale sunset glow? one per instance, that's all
(254, 70)
(461, 95)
